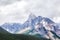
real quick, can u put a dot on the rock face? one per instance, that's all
(3, 31)
(11, 27)
(37, 25)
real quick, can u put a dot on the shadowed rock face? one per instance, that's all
(3, 31)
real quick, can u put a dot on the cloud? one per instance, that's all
(18, 11)
(7, 2)
(13, 13)
(47, 8)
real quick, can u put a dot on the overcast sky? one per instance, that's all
(19, 10)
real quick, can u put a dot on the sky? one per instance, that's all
(18, 10)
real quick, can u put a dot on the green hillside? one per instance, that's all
(18, 37)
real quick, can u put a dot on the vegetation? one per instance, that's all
(18, 37)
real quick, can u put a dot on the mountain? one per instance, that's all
(3, 30)
(5, 35)
(49, 21)
(31, 22)
(11, 27)
(32, 26)
(57, 29)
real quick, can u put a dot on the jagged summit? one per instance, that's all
(31, 16)
(33, 23)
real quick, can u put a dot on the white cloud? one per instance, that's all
(48, 8)
(13, 13)
(18, 11)
(7, 2)
(56, 19)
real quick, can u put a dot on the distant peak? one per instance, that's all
(31, 16)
